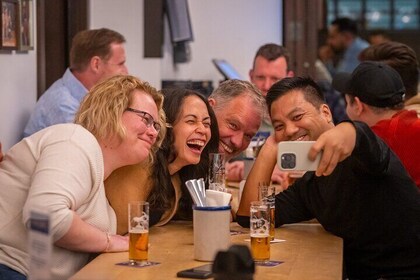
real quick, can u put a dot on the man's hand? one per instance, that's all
(337, 144)
(234, 170)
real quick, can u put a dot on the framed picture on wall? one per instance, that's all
(26, 23)
(9, 25)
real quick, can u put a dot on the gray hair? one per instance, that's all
(230, 89)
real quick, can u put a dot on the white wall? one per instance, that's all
(18, 90)
(126, 17)
(229, 29)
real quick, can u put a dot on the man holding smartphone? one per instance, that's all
(359, 192)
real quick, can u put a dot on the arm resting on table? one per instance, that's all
(83, 237)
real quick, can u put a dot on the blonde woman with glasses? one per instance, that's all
(61, 169)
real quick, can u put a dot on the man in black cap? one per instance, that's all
(375, 95)
(404, 60)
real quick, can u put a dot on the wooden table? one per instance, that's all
(308, 252)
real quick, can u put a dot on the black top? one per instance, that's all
(370, 201)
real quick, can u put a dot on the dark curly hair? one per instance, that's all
(163, 193)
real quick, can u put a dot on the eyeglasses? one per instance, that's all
(146, 117)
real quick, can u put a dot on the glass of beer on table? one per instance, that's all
(138, 229)
(260, 231)
(267, 194)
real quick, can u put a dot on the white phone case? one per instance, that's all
(293, 156)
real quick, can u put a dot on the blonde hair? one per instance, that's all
(101, 110)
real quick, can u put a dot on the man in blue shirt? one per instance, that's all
(95, 55)
(346, 45)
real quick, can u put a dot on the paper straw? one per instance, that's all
(190, 188)
(195, 193)
(202, 186)
(198, 192)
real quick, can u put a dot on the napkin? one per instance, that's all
(217, 198)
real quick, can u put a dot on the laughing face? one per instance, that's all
(191, 132)
(296, 119)
(238, 122)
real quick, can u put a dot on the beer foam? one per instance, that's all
(138, 230)
(260, 235)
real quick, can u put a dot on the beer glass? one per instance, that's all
(260, 231)
(267, 194)
(138, 229)
(217, 174)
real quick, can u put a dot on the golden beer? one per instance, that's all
(260, 247)
(138, 246)
(266, 194)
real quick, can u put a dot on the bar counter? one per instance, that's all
(307, 252)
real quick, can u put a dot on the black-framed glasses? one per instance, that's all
(146, 117)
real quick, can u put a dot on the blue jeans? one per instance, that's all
(6, 273)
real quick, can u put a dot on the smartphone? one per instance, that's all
(199, 272)
(292, 156)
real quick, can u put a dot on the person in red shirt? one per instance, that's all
(374, 94)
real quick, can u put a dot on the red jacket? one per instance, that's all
(402, 134)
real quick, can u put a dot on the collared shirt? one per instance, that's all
(58, 104)
(350, 58)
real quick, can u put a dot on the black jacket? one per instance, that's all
(370, 201)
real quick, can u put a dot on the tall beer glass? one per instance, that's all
(217, 173)
(267, 194)
(260, 231)
(138, 229)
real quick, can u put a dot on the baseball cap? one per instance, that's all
(374, 83)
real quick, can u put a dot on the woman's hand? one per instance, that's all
(117, 243)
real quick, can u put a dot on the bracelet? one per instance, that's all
(108, 241)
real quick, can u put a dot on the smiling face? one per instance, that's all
(135, 147)
(191, 131)
(238, 122)
(296, 119)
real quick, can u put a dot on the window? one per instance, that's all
(378, 14)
